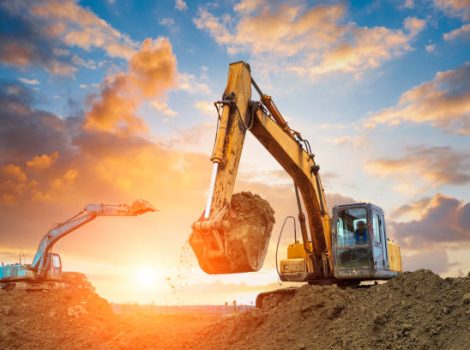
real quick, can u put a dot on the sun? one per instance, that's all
(146, 277)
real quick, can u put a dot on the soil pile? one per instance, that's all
(414, 311)
(417, 310)
(77, 318)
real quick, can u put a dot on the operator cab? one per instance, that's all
(54, 266)
(359, 243)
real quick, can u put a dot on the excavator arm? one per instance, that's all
(89, 213)
(239, 114)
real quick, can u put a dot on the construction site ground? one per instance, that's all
(417, 310)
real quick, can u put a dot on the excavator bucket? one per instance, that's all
(237, 239)
(140, 207)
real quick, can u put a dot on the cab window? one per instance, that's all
(351, 227)
(376, 227)
(352, 244)
(55, 261)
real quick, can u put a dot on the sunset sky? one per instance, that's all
(111, 101)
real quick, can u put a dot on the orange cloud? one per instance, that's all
(42, 161)
(151, 71)
(443, 102)
(14, 172)
(315, 40)
(12, 183)
(43, 28)
(29, 41)
(454, 8)
(78, 26)
(424, 166)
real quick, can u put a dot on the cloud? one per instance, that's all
(27, 41)
(443, 102)
(347, 140)
(42, 161)
(181, 5)
(151, 72)
(163, 108)
(444, 222)
(29, 81)
(26, 132)
(194, 85)
(430, 48)
(80, 62)
(454, 8)
(435, 260)
(78, 26)
(409, 4)
(205, 107)
(168, 22)
(36, 33)
(422, 167)
(308, 41)
(462, 33)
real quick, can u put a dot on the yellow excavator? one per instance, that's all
(346, 248)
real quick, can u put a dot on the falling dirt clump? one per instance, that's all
(417, 310)
(250, 209)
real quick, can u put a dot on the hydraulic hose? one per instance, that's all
(279, 238)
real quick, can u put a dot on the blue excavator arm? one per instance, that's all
(39, 266)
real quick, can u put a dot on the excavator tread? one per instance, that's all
(271, 299)
(68, 279)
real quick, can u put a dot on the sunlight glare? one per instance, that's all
(146, 277)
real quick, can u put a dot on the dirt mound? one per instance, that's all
(417, 310)
(49, 318)
(77, 318)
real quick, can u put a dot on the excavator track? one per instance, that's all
(67, 279)
(272, 299)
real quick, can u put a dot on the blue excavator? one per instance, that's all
(47, 265)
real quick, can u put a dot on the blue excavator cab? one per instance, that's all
(54, 266)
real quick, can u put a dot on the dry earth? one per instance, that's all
(417, 310)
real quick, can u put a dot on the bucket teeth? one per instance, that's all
(232, 251)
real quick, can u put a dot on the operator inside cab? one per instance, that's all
(360, 234)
